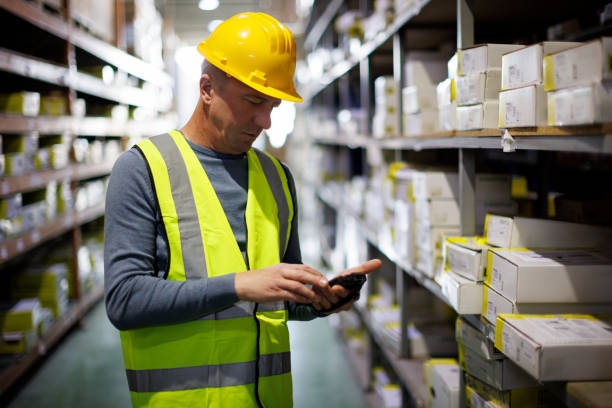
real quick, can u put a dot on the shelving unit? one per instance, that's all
(348, 84)
(53, 67)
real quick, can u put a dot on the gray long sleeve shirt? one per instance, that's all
(136, 247)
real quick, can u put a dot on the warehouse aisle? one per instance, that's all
(87, 370)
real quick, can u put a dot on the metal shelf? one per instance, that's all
(29, 67)
(540, 140)
(28, 240)
(11, 374)
(33, 181)
(61, 29)
(85, 126)
(343, 67)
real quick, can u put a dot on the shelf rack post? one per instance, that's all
(465, 23)
(467, 191)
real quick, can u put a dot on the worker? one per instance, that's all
(202, 260)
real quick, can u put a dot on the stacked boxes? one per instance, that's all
(19, 325)
(437, 214)
(522, 102)
(385, 122)
(20, 103)
(477, 84)
(11, 218)
(423, 70)
(47, 284)
(578, 84)
(388, 391)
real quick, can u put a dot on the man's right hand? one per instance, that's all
(282, 282)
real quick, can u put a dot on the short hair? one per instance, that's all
(218, 75)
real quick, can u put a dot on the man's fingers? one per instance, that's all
(303, 276)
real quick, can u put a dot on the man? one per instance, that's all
(202, 260)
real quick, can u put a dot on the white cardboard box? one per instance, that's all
(557, 348)
(493, 304)
(502, 374)
(419, 98)
(437, 212)
(428, 262)
(435, 184)
(474, 339)
(420, 123)
(522, 107)
(452, 66)
(445, 92)
(483, 57)
(550, 276)
(583, 105)
(448, 116)
(384, 125)
(424, 68)
(386, 91)
(428, 237)
(581, 65)
(481, 116)
(477, 88)
(523, 232)
(523, 67)
(467, 256)
(445, 386)
(464, 295)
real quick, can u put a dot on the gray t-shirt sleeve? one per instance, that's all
(297, 311)
(136, 293)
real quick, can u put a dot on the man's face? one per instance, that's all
(239, 114)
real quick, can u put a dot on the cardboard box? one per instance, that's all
(14, 164)
(428, 262)
(502, 374)
(531, 397)
(421, 123)
(550, 276)
(474, 339)
(481, 116)
(437, 212)
(429, 365)
(23, 143)
(384, 125)
(10, 206)
(445, 92)
(583, 105)
(445, 386)
(559, 347)
(475, 400)
(430, 238)
(435, 184)
(448, 117)
(464, 295)
(452, 66)
(483, 57)
(21, 316)
(522, 232)
(21, 103)
(419, 98)
(494, 303)
(386, 91)
(467, 256)
(424, 68)
(17, 342)
(477, 88)
(58, 156)
(523, 107)
(582, 65)
(523, 67)
(52, 105)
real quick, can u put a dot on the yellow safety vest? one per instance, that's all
(236, 357)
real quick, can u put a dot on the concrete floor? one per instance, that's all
(86, 369)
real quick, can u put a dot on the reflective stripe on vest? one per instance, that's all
(194, 363)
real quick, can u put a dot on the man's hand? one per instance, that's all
(282, 282)
(340, 292)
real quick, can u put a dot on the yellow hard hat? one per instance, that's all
(256, 49)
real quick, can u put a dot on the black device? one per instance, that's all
(353, 283)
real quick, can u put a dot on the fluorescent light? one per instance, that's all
(208, 5)
(214, 24)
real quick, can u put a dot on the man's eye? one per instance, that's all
(253, 101)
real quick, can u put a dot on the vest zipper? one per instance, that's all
(259, 404)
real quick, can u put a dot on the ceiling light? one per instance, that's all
(208, 5)
(213, 24)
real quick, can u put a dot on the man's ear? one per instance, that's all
(206, 88)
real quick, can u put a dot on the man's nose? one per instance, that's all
(262, 117)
